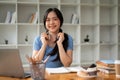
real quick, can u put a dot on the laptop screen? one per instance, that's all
(10, 63)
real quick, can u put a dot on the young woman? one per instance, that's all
(54, 42)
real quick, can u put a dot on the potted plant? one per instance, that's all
(87, 38)
(6, 41)
(26, 39)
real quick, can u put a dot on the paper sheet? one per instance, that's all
(62, 70)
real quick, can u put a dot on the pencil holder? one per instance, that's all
(37, 71)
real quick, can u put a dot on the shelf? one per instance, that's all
(119, 34)
(4, 8)
(89, 2)
(108, 15)
(109, 33)
(7, 24)
(89, 44)
(91, 31)
(73, 31)
(119, 15)
(100, 19)
(27, 1)
(70, 2)
(27, 24)
(48, 1)
(25, 45)
(88, 13)
(23, 31)
(107, 44)
(24, 17)
(88, 53)
(88, 5)
(8, 45)
(8, 1)
(118, 57)
(8, 35)
(108, 2)
(68, 14)
(76, 56)
(106, 52)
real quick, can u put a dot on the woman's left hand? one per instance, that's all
(60, 37)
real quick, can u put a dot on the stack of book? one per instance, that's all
(34, 18)
(10, 17)
(74, 19)
(106, 66)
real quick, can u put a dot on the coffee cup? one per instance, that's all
(117, 68)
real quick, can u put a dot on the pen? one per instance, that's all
(46, 59)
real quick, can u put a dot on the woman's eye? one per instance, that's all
(47, 20)
(55, 19)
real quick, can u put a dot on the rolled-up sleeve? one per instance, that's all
(37, 43)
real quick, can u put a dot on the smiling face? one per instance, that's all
(52, 22)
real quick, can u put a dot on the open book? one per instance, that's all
(62, 70)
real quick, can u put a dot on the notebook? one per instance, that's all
(11, 64)
(63, 70)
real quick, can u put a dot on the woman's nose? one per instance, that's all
(51, 21)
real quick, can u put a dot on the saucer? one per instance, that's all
(86, 76)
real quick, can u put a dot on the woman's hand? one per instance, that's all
(44, 38)
(60, 38)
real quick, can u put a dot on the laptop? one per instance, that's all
(11, 64)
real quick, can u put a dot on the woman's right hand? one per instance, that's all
(44, 38)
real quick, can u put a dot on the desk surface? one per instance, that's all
(68, 76)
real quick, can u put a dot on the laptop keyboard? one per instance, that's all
(27, 74)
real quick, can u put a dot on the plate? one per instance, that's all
(83, 76)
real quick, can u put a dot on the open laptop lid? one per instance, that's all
(10, 63)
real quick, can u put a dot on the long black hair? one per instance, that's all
(65, 42)
(58, 13)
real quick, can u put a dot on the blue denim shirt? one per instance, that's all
(50, 63)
